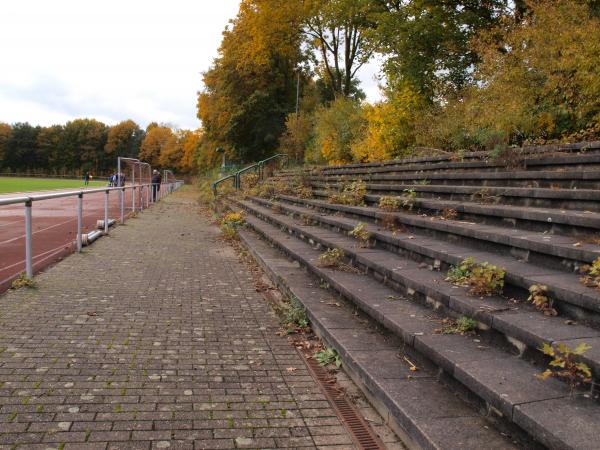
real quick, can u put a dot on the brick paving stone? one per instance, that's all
(154, 337)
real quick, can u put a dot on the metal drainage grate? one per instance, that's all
(359, 429)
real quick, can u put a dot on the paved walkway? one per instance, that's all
(154, 338)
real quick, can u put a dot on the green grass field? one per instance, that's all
(18, 184)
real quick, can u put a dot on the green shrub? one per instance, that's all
(352, 194)
(483, 278)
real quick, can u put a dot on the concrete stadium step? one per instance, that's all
(505, 383)
(540, 151)
(553, 179)
(519, 325)
(566, 253)
(545, 162)
(572, 298)
(417, 406)
(567, 199)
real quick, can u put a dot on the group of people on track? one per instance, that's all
(118, 180)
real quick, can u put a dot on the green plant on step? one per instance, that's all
(565, 364)
(328, 356)
(389, 203)
(591, 273)
(23, 281)
(538, 295)
(408, 199)
(361, 234)
(396, 203)
(463, 325)
(460, 274)
(484, 279)
(331, 258)
(295, 315)
(305, 192)
(352, 194)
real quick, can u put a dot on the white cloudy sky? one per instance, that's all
(112, 59)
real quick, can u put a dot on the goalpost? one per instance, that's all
(136, 173)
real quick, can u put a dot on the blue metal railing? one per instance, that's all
(237, 180)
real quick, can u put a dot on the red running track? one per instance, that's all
(54, 226)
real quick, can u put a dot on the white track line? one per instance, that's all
(53, 251)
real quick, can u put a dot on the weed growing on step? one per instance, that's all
(328, 356)
(230, 223)
(331, 258)
(295, 316)
(307, 220)
(250, 180)
(538, 295)
(463, 325)
(305, 192)
(485, 196)
(24, 281)
(361, 234)
(591, 273)
(564, 364)
(448, 214)
(391, 223)
(352, 194)
(483, 278)
(423, 182)
(396, 203)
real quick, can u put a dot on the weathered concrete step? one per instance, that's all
(568, 179)
(502, 380)
(523, 327)
(580, 199)
(560, 247)
(539, 151)
(556, 221)
(428, 413)
(539, 163)
(564, 287)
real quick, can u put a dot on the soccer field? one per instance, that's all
(18, 184)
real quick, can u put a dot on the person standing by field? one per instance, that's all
(86, 179)
(156, 181)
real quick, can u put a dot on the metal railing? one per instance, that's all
(237, 180)
(145, 190)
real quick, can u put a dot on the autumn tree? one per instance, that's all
(191, 143)
(251, 86)
(124, 139)
(336, 31)
(156, 139)
(533, 83)
(426, 43)
(5, 133)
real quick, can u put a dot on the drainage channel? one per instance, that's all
(361, 431)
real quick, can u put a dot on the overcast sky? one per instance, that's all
(112, 59)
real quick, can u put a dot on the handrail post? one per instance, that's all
(133, 199)
(28, 240)
(79, 221)
(106, 211)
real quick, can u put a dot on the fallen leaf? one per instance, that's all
(291, 369)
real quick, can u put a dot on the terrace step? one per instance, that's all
(540, 151)
(571, 179)
(519, 325)
(415, 403)
(504, 382)
(568, 199)
(546, 162)
(573, 298)
(568, 251)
